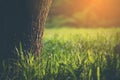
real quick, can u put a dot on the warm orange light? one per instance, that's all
(91, 12)
(106, 8)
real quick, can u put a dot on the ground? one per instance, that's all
(72, 54)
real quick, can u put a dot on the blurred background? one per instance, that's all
(84, 13)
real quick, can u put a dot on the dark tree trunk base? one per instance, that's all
(22, 21)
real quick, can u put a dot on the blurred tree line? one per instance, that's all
(84, 13)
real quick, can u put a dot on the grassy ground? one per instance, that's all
(71, 54)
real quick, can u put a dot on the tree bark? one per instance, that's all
(22, 21)
(38, 11)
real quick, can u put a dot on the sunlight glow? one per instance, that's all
(105, 8)
(89, 13)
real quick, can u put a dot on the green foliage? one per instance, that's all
(70, 54)
(85, 13)
(56, 21)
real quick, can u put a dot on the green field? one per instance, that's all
(71, 54)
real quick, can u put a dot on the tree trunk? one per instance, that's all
(38, 11)
(22, 21)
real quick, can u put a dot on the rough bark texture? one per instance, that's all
(38, 10)
(22, 21)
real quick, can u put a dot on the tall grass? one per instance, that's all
(70, 54)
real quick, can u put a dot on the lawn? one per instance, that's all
(71, 54)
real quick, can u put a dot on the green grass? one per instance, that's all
(70, 54)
